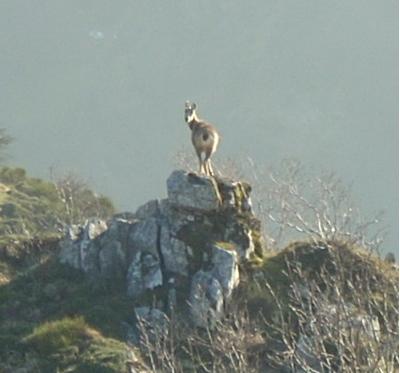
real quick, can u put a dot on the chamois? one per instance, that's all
(205, 138)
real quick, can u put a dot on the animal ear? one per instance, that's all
(194, 106)
(187, 104)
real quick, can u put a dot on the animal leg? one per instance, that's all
(210, 169)
(201, 165)
(206, 168)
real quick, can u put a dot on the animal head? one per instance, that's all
(190, 111)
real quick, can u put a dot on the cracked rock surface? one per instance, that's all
(188, 246)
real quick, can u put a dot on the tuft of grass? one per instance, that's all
(51, 336)
(70, 344)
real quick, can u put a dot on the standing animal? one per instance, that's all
(205, 138)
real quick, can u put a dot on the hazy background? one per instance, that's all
(98, 87)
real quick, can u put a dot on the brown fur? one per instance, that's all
(205, 139)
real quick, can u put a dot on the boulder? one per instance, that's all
(187, 190)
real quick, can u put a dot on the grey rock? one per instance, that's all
(144, 237)
(79, 249)
(151, 323)
(225, 268)
(119, 231)
(125, 216)
(89, 253)
(174, 252)
(193, 191)
(112, 259)
(88, 248)
(172, 296)
(205, 222)
(228, 194)
(241, 235)
(206, 300)
(150, 209)
(143, 273)
(70, 248)
(74, 232)
(93, 228)
(175, 218)
(70, 253)
(119, 228)
(235, 194)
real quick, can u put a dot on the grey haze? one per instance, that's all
(98, 87)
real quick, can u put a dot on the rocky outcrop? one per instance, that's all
(179, 252)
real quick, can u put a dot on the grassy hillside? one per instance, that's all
(52, 316)
(34, 211)
(51, 319)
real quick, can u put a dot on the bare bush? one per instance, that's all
(79, 201)
(293, 202)
(337, 322)
(230, 346)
